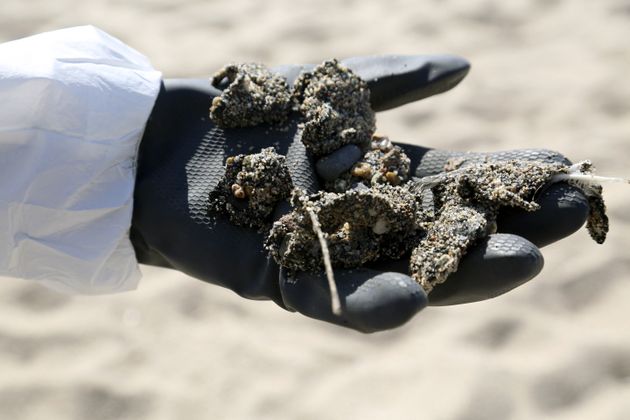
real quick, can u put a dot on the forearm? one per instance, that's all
(75, 105)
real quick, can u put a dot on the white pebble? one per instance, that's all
(380, 227)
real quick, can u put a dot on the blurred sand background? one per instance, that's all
(546, 73)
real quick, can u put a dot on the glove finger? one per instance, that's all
(563, 208)
(331, 166)
(371, 300)
(395, 80)
(491, 268)
(497, 265)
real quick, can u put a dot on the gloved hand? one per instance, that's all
(181, 159)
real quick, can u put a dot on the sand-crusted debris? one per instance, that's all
(253, 95)
(384, 163)
(251, 188)
(581, 176)
(359, 226)
(467, 201)
(375, 211)
(333, 101)
(384, 221)
(335, 104)
(448, 239)
(597, 221)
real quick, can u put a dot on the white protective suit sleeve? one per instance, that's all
(74, 106)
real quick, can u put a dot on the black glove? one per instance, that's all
(181, 159)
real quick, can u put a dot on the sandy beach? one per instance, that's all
(545, 73)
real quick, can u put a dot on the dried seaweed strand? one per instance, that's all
(335, 302)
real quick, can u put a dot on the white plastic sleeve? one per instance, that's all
(74, 106)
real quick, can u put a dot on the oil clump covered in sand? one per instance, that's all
(384, 163)
(251, 187)
(253, 95)
(335, 104)
(374, 210)
(467, 201)
(359, 226)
